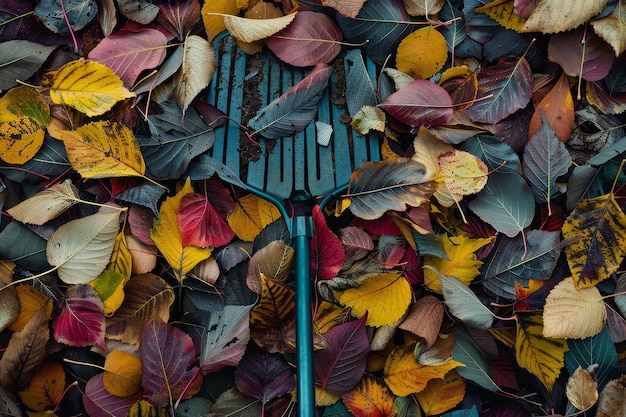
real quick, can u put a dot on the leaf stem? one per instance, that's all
(69, 25)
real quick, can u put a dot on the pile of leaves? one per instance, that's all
(477, 268)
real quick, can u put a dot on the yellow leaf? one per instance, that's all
(541, 356)
(613, 28)
(404, 375)
(328, 315)
(572, 313)
(46, 387)
(122, 373)
(24, 114)
(168, 238)
(462, 262)
(463, 174)
(502, 12)
(582, 389)
(103, 150)
(110, 288)
(251, 215)
(384, 298)
(214, 24)
(121, 259)
(143, 408)
(46, 204)
(422, 53)
(369, 398)
(87, 86)
(31, 302)
(324, 398)
(369, 118)
(597, 228)
(425, 318)
(441, 395)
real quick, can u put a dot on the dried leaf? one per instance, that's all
(211, 15)
(553, 16)
(196, 71)
(581, 53)
(46, 204)
(20, 59)
(274, 261)
(463, 174)
(423, 8)
(272, 319)
(250, 30)
(425, 318)
(327, 252)
(582, 389)
(464, 304)
(441, 395)
(200, 223)
(613, 27)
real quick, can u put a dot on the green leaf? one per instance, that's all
(475, 369)
(598, 349)
(464, 304)
(22, 245)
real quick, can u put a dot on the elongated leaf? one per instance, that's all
(360, 88)
(233, 402)
(81, 318)
(20, 59)
(196, 71)
(596, 350)
(545, 159)
(87, 86)
(340, 367)
(46, 204)
(250, 30)
(327, 252)
(509, 213)
(582, 389)
(146, 194)
(311, 38)
(294, 109)
(581, 53)
(558, 109)
(81, 248)
(394, 184)
(179, 18)
(167, 355)
(264, 376)
(420, 103)
(128, 53)
(598, 226)
(464, 304)
(503, 89)
(475, 369)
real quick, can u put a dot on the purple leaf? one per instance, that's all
(340, 367)
(307, 41)
(503, 89)
(99, 402)
(293, 111)
(167, 354)
(421, 103)
(80, 321)
(264, 375)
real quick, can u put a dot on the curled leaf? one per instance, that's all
(250, 30)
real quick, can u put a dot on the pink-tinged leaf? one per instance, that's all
(340, 367)
(167, 354)
(295, 109)
(327, 253)
(128, 53)
(80, 319)
(99, 402)
(382, 226)
(390, 252)
(200, 224)
(524, 8)
(607, 101)
(264, 375)
(503, 89)
(140, 220)
(420, 103)
(227, 335)
(570, 49)
(356, 242)
(311, 38)
(179, 17)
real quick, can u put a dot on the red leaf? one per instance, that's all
(311, 38)
(413, 271)
(80, 320)
(200, 224)
(167, 354)
(340, 367)
(99, 402)
(327, 253)
(140, 220)
(421, 103)
(264, 375)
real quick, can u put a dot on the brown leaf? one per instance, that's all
(558, 107)
(553, 16)
(9, 300)
(425, 318)
(274, 261)
(26, 351)
(582, 389)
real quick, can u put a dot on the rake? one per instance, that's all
(294, 170)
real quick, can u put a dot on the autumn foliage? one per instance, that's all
(476, 268)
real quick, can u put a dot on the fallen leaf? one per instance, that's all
(45, 389)
(196, 71)
(370, 398)
(553, 16)
(264, 376)
(250, 30)
(441, 395)
(123, 373)
(251, 215)
(582, 389)
(502, 11)
(425, 318)
(80, 318)
(558, 109)
(46, 204)
(422, 54)
(612, 28)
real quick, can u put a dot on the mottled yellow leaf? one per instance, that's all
(462, 262)
(502, 12)
(122, 373)
(463, 174)
(541, 356)
(405, 375)
(31, 301)
(597, 229)
(251, 215)
(87, 86)
(168, 238)
(213, 23)
(384, 298)
(46, 204)
(422, 53)
(110, 288)
(441, 395)
(45, 389)
(582, 389)
(572, 313)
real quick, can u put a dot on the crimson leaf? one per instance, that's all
(327, 253)
(80, 320)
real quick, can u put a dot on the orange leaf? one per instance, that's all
(46, 387)
(370, 398)
(123, 372)
(31, 301)
(441, 395)
(558, 106)
(422, 53)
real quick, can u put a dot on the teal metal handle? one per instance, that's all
(302, 231)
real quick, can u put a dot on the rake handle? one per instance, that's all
(301, 233)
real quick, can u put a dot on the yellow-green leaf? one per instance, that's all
(404, 375)
(110, 288)
(46, 204)
(463, 174)
(168, 238)
(462, 262)
(441, 395)
(422, 53)
(572, 313)
(541, 356)
(24, 115)
(103, 150)
(87, 86)
(384, 297)
(582, 389)
(502, 12)
(251, 215)
(597, 229)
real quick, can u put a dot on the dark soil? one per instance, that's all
(249, 147)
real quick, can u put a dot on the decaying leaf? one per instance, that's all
(582, 389)
(196, 71)
(46, 204)
(250, 30)
(552, 16)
